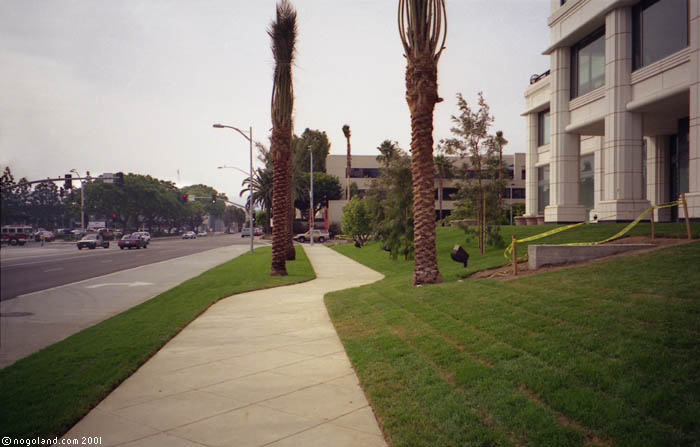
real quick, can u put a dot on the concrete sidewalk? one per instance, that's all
(263, 368)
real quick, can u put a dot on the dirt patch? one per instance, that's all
(506, 272)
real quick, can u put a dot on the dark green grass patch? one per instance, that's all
(49, 391)
(601, 354)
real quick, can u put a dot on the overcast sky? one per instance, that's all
(135, 85)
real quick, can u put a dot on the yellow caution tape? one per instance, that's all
(621, 233)
(509, 249)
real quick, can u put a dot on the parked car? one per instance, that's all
(145, 235)
(319, 235)
(92, 241)
(48, 236)
(257, 231)
(132, 240)
(202, 234)
(189, 235)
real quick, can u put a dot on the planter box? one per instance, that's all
(520, 220)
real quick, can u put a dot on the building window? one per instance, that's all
(588, 64)
(364, 173)
(586, 182)
(542, 188)
(522, 174)
(518, 193)
(660, 29)
(543, 128)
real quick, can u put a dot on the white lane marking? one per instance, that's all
(53, 270)
(128, 284)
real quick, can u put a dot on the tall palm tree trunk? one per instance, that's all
(283, 33)
(280, 201)
(348, 168)
(421, 95)
(422, 28)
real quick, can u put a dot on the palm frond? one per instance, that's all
(422, 27)
(283, 31)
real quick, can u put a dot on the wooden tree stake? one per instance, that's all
(687, 219)
(652, 224)
(515, 257)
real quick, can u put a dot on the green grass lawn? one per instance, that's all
(602, 354)
(49, 391)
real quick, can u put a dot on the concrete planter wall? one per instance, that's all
(541, 255)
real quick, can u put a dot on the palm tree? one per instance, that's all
(443, 169)
(423, 29)
(498, 143)
(283, 33)
(261, 189)
(346, 132)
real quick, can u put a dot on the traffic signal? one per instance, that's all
(68, 181)
(184, 198)
(114, 215)
(119, 178)
(213, 198)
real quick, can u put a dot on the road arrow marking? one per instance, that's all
(127, 284)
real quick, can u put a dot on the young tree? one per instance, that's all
(472, 141)
(357, 220)
(423, 28)
(283, 33)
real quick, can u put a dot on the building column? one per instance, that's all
(531, 157)
(693, 195)
(564, 204)
(622, 144)
(657, 175)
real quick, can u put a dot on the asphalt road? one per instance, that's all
(32, 268)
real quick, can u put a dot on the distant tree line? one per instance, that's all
(142, 201)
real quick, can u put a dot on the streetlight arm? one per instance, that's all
(223, 126)
(233, 167)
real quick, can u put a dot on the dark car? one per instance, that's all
(132, 241)
(92, 241)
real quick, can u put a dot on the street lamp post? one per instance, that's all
(82, 200)
(248, 137)
(311, 197)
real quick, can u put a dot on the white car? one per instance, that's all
(319, 235)
(202, 234)
(145, 235)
